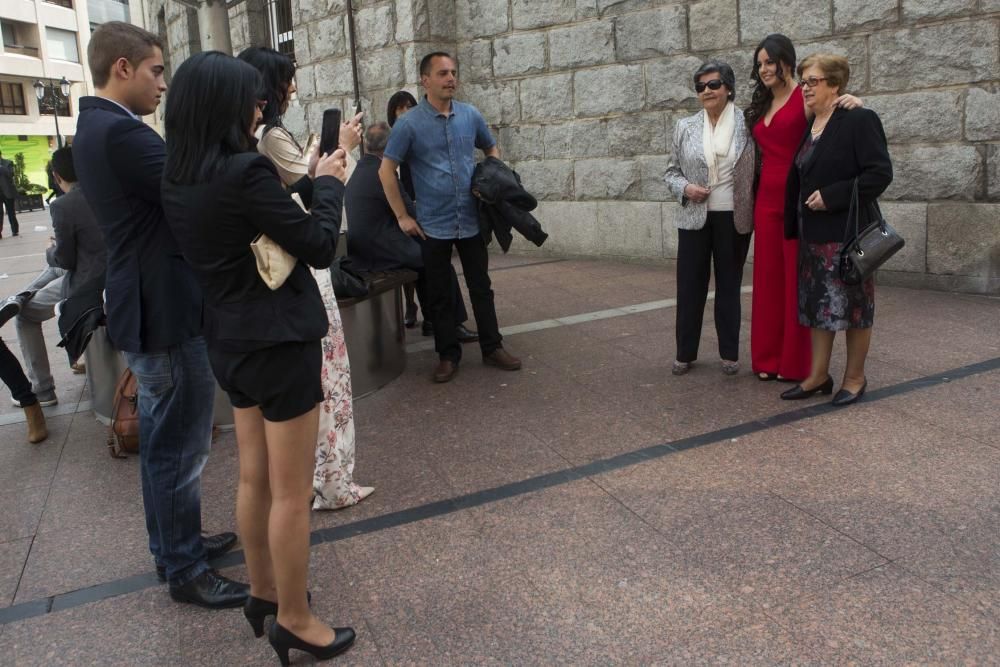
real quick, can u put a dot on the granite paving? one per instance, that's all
(590, 509)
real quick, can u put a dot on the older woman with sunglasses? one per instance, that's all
(711, 174)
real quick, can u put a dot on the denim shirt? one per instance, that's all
(440, 150)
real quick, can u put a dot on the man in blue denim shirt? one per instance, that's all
(438, 139)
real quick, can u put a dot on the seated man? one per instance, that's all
(77, 256)
(374, 240)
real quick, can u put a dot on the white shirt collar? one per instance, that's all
(127, 110)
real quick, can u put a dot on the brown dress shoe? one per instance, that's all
(502, 359)
(36, 423)
(445, 370)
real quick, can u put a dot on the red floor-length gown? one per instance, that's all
(778, 343)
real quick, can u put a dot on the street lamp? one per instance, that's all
(41, 90)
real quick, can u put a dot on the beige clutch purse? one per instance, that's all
(274, 263)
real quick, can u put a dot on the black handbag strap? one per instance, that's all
(854, 215)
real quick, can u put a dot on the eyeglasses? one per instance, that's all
(714, 84)
(261, 105)
(812, 81)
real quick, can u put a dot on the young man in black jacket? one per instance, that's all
(154, 308)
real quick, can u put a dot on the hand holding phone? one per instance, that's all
(330, 137)
(333, 164)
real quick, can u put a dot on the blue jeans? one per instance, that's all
(176, 391)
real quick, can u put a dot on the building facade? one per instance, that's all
(583, 96)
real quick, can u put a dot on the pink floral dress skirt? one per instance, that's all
(333, 478)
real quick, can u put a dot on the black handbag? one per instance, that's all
(870, 247)
(347, 283)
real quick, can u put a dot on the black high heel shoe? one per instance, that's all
(283, 640)
(797, 393)
(256, 610)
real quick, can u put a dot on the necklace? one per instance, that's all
(817, 128)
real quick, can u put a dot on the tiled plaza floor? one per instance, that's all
(590, 509)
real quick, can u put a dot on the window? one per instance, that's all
(102, 11)
(68, 4)
(12, 99)
(9, 33)
(62, 44)
(46, 105)
(19, 38)
(279, 20)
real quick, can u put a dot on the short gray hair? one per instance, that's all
(724, 71)
(377, 137)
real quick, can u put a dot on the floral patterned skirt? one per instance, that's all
(826, 301)
(333, 477)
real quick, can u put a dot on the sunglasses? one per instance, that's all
(714, 84)
(261, 105)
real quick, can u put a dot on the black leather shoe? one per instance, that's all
(215, 546)
(845, 397)
(213, 591)
(797, 393)
(466, 335)
(282, 640)
(427, 329)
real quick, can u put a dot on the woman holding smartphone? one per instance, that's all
(333, 481)
(265, 346)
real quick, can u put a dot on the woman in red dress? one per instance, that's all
(777, 117)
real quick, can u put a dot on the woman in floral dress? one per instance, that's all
(333, 477)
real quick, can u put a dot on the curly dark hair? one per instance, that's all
(780, 49)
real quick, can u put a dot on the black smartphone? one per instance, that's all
(330, 136)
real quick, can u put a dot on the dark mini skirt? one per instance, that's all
(825, 301)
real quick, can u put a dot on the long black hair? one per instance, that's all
(209, 115)
(399, 99)
(780, 49)
(278, 71)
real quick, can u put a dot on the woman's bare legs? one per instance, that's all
(253, 501)
(291, 449)
(858, 341)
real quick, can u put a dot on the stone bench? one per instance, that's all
(374, 331)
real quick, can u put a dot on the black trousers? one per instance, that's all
(423, 296)
(720, 244)
(13, 376)
(475, 265)
(8, 205)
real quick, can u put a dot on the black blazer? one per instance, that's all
(153, 300)
(215, 222)
(853, 146)
(374, 240)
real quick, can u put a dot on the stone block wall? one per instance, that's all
(583, 96)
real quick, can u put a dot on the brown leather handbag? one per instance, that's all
(123, 436)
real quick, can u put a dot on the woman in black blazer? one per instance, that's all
(839, 148)
(264, 346)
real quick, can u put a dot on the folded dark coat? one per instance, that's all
(80, 315)
(504, 204)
